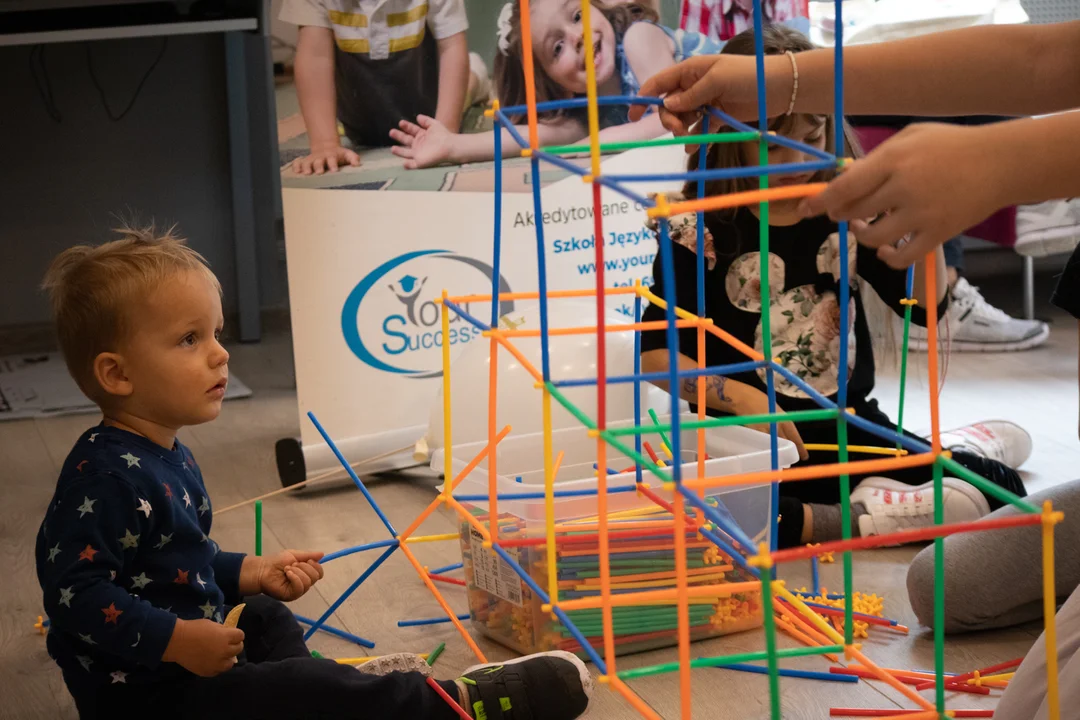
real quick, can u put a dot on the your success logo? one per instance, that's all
(392, 320)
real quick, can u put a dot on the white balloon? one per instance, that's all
(519, 400)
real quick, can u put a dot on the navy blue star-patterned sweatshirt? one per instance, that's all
(122, 553)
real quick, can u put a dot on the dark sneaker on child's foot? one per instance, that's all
(546, 686)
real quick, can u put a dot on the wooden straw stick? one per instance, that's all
(314, 480)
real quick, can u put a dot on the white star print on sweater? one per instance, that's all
(109, 589)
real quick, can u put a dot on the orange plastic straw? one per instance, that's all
(469, 519)
(453, 485)
(932, 357)
(734, 342)
(493, 485)
(806, 633)
(666, 575)
(529, 367)
(555, 468)
(801, 623)
(530, 81)
(683, 599)
(586, 330)
(668, 594)
(442, 602)
(859, 467)
(632, 698)
(892, 681)
(750, 197)
(534, 295)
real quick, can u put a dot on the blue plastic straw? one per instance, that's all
(830, 596)
(638, 470)
(771, 139)
(541, 496)
(334, 631)
(814, 575)
(496, 257)
(541, 270)
(448, 568)
(355, 478)
(317, 624)
(856, 615)
(727, 173)
(544, 598)
(891, 436)
(560, 162)
(626, 192)
(467, 317)
(727, 524)
(430, 621)
(732, 369)
(580, 102)
(359, 548)
(609, 472)
(785, 672)
(506, 123)
(734, 554)
(668, 272)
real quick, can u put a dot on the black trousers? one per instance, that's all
(276, 678)
(827, 491)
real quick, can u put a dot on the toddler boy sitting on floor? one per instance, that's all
(135, 589)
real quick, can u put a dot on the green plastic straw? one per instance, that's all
(606, 435)
(434, 655)
(793, 416)
(317, 655)
(729, 137)
(258, 528)
(660, 428)
(766, 350)
(845, 529)
(903, 372)
(985, 485)
(727, 660)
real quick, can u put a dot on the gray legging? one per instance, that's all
(973, 604)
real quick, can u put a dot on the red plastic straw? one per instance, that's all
(985, 671)
(450, 580)
(449, 700)
(874, 712)
(905, 536)
(590, 538)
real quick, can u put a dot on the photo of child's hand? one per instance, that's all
(424, 143)
(325, 159)
(204, 647)
(289, 574)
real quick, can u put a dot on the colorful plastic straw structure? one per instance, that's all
(689, 511)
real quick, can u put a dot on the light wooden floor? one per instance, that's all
(1036, 389)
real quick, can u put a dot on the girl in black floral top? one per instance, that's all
(803, 275)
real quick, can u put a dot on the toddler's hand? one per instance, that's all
(204, 647)
(289, 574)
(424, 143)
(325, 159)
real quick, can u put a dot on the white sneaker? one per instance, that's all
(1048, 228)
(892, 506)
(974, 325)
(1000, 440)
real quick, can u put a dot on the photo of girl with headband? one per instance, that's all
(629, 46)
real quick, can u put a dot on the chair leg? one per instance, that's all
(1029, 287)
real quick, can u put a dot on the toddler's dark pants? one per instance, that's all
(276, 678)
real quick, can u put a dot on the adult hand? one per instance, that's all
(325, 159)
(931, 181)
(726, 82)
